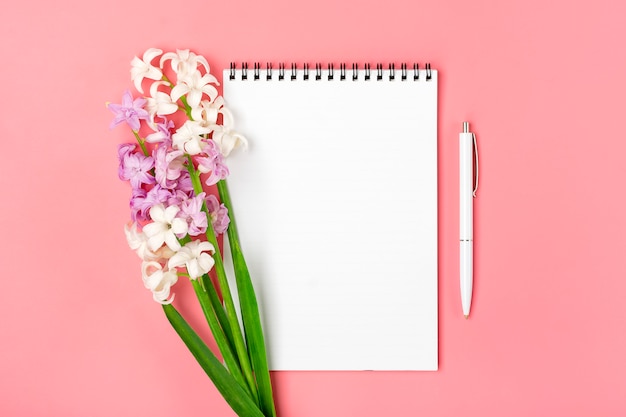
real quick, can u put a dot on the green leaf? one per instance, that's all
(249, 311)
(219, 309)
(218, 335)
(229, 305)
(233, 393)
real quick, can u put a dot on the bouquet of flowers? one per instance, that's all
(182, 135)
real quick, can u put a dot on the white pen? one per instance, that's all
(468, 186)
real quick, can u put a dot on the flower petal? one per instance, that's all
(178, 91)
(172, 242)
(179, 259)
(157, 213)
(150, 54)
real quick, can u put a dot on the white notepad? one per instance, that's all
(336, 203)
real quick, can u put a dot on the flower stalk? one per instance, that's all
(229, 304)
(249, 310)
(175, 222)
(233, 393)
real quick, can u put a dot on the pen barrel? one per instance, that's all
(466, 186)
(466, 274)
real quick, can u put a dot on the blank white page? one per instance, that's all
(336, 205)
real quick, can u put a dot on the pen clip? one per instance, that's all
(475, 167)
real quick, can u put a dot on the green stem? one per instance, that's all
(183, 99)
(249, 310)
(218, 334)
(187, 108)
(232, 392)
(240, 345)
(218, 307)
(141, 143)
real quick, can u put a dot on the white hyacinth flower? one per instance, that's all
(227, 140)
(184, 62)
(160, 103)
(195, 258)
(165, 227)
(188, 138)
(138, 241)
(194, 85)
(142, 68)
(207, 114)
(158, 281)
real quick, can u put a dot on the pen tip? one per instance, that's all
(466, 316)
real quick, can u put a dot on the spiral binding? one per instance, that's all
(293, 72)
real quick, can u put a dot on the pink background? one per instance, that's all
(543, 85)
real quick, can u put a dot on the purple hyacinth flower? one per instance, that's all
(177, 197)
(213, 162)
(136, 203)
(162, 134)
(218, 213)
(168, 166)
(122, 151)
(191, 211)
(142, 201)
(130, 111)
(184, 183)
(135, 167)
